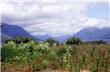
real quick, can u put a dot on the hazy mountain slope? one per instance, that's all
(86, 34)
(13, 31)
(4, 37)
(62, 38)
(42, 37)
(106, 32)
(94, 33)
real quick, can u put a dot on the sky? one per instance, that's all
(55, 17)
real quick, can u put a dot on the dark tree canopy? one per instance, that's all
(19, 40)
(52, 42)
(99, 42)
(74, 41)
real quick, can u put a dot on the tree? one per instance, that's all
(20, 39)
(74, 41)
(99, 42)
(52, 42)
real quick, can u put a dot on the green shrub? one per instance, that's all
(93, 57)
(52, 42)
(74, 41)
(19, 40)
(99, 42)
(61, 52)
(10, 52)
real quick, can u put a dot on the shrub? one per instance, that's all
(99, 42)
(93, 57)
(9, 51)
(74, 41)
(61, 52)
(52, 42)
(19, 40)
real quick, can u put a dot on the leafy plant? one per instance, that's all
(52, 42)
(74, 41)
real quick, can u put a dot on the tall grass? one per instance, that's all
(73, 58)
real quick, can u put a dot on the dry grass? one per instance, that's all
(82, 49)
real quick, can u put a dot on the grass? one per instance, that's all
(31, 57)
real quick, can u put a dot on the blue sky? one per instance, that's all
(101, 10)
(54, 17)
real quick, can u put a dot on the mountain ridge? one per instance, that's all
(13, 31)
(86, 34)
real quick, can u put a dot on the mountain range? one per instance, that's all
(87, 34)
(94, 33)
(13, 31)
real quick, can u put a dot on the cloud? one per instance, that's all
(54, 0)
(54, 17)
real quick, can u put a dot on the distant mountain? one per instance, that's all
(87, 34)
(62, 39)
(13, 31)
(106, 32)
(42, 37)
(4, 37)
(94, 33)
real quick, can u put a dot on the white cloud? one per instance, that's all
(54, 0)
(56, 19)
(97, 22)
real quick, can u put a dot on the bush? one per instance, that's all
(99, 42)
(93, 57)
(52, 42)
(74, 41)
(19, 40)
(61, 52)
(10, 51)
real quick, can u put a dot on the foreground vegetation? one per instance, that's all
(27, 55)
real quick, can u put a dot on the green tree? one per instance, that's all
(74, 41)
(52, 42)
(20, 39)
(99, 42)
